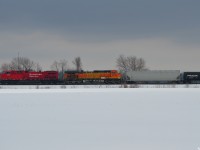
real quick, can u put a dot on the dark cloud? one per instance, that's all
(114, 17)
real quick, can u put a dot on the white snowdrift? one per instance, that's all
(99, 119)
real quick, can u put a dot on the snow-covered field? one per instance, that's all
(100, 119)
(99, 86)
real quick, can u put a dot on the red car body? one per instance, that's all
(29, 75)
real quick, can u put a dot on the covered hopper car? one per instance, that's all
(153, 76)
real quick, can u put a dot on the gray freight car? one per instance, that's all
(153, 76)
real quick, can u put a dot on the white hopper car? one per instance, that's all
(153, 76)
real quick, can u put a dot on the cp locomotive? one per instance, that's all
(29, 77)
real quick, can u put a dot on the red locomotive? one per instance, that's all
(29, 77)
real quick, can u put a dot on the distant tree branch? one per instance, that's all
(130, 63)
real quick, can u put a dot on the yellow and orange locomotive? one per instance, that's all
(97, 76)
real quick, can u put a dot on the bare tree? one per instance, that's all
(122, 63)
(78, 64)
(55, 66)
(63, 65)
(59, 66)
(130, 63)
(20, 63)
(5, 67)
(141, 64)
(26, 64)
(38, 67)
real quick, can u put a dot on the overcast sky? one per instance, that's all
(166, 33)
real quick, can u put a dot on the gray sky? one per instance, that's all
(165, 33)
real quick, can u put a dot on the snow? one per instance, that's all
(99, 86)
(100, 119)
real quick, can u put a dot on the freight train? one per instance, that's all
(99, 77)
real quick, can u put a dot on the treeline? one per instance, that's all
(26, 64)
(21, 63)
(123, 63)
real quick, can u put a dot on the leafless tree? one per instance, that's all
(55, 66)
(26, 64)
(130, 63)
(122, 63)
(141, 64)
(59, 66)
(20, 63)
(5, 67)
(63, 65)
(38, 67)
(78, 64)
